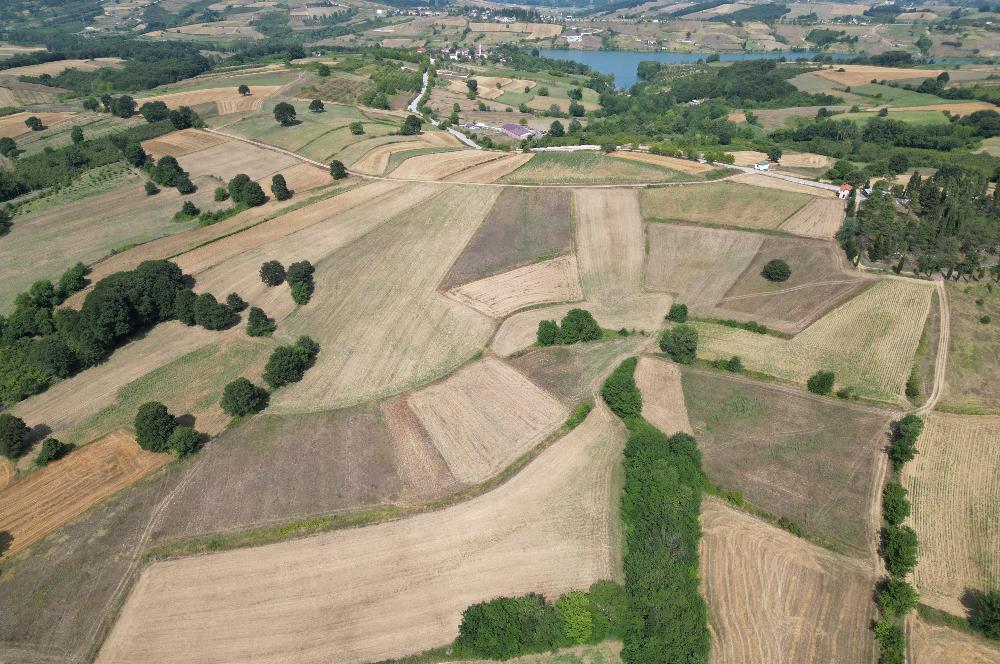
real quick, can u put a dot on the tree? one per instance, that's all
(357, 128)
(34, 124)
(576, 94)
(279, 188)
(576, 110)
(272, 273)
(619, 391)
(895, 506)
(76, 134)
(243, 89)
(253, 195)
(548, 333)
(891, 642)
(774, 154)
(184, 306)
(134, 154)
(185, 186)
(820, 382)
(13, 436)
(8, 147)
(338, 170)
(579, 325)
(235, 302)
(904, 440)
(678, 313)
(473, 85)
(776, 270)
(985, 617)
(188, 210)
(899, 162)
(287, 364)
(123, 107)
(52, 450)
(151, 189)
(236, 186)
(211, 314)
(556, 129)
(154, 111)
(284, 113)
(680, 342)
(183, 442)
(220, 194)
(411, 125)
(73, 279)
(895, 598)
(241, 397)
(899, 549)
(323, 70)
(316, 106)
(258, 324)
(90, 104)
(300, 280)
(153, 426)
(575, 622)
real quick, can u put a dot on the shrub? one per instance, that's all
(895, 506)
(776, 270)
(578, 415)
(821, 382)
(619, 391)
(913, 384)
(52, 450)
(13, 436)
(241, 397)
(680, 342)
(891, 641)
(579, 325)
(904, 440)
(272, 273)
(678, 313)
(151, 189)
(985, 320)
(608, 608)
(183, 441)
(301, 292)
(221, 194)
(188, 210)
(749, 326)
(899, 549)
(185, 186)
(506, 627)
(153, 426)
(985, 617)
(235, 302)
(733, 364)
(73, 279)
(258, 324)
(895, 598)
(280, 188)
(548, 333)
(338, 170)
(575, 621)
(357, 128)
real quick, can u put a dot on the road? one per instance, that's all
(782, 176)
(941, 361)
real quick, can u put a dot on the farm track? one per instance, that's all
(941, 361)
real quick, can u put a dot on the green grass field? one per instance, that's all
(884, 94)
(913, 117)
(973, 351)
(90, 183)
(589, 168)
(94, 125)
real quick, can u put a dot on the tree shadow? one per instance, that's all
(38, 433)
(6, 539)
(971, 599)
(186, 420)
(291, 123)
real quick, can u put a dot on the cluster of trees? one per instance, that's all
(620, 392)
(246, 192)
(577, 325)
(288, 364)
(508, 627)
(388, 80)
(14, 435)
(180, 118)
(204, 310)
(680, 342)
(157, 430)
(754, 84)
(40, 344)
(166, 172)
(299, 277)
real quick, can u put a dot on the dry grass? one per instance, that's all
(300, 178)
(775, 598)
(485, 416)
(7, 98)
(820, 218)
(441, 166)
(376, 160)
(747, 157)
(44, 500)
(682, 165)
(869, 342)
(12, 126)
(960, 108)
(227, 100)
(228, 159)
(725, 204)
(58, 66)
(534, 30)
(933, 644)
(388, 590)
(541, 283)
(490, 171)
(954, 485)
(767, 182)
(180, 143)
(973, 350)
(805, 160)
(861, 74)
(423, 472)
(663, 399)
(587, 167)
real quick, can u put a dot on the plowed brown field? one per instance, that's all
(44, 500)
(12, 126)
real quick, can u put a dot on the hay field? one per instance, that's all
(723, 204)
(869, 342)
(490, 171)
(376, 160)
(440, 166)
(765, 182)
(7, 98)
(958, 108)
(933, 644)
(861, 74)
(180, 143)
(819, 218)
(228, 159)
(954, 485)
(541, 283)
(366, 594)
(973, 351)
(227, 100)
(491, 87)
(354, 152)
(682, 165)
(12, 126)
(747, 157)
(775, 598)
(44, 500)
(485, 416)
(805, 160)
(662, 396)
(58, 66)
(524, 226)
(367, 291)
(589, 168)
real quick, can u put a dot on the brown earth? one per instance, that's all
(423, 472)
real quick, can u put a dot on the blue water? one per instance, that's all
(623, 64)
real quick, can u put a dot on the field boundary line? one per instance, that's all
(788, 290)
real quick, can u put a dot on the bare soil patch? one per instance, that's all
(540, 283)
(391, 589)
(41, 502)
(662, 396)
(423, 472)
(774, 598)
(954, 485)
(820, 218)
(722, 204)
(523, 226)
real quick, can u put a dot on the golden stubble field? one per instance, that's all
(388, 590)
(539, 283)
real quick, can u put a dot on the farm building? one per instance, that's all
(517, 131)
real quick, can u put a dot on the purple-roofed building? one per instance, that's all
(517, 131)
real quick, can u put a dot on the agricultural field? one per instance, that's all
(226, 160)
(775, 598)
(540, 283)
(443, 166)
(929, 644)
(490, 171)
(58, 66)
(57, 135)
(722, 204)
(819, 218)
(384, 158)
(225, 100)
(868, 342)
(663, 397)
(391, 589)
(180, 143)
(589, 168)
(12, 126)
(674, 163)
(954, 485)
(972, 350)
(814, 461)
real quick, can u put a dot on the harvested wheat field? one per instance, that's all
(869, 342)
(423, 472)
(7, 98)
(300, 178)
(12, 126)
(32, 507)
(388, 590)
(376, 312)
(490, 171)
(805, 160)
(775, 598)
(541, 283)
(228, 159)
(861, 74)
(954, 485)
(58, 66)
(227, 100)
(767, 182)
(722, 204)
(440, 166)
(180, 143)
(747, 157)
(485, 416)
(934, 644)
(6, 472)
(683, 165)
(662, 396)
(820, 218)
(376, 160)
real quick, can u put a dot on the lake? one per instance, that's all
(623, 64)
